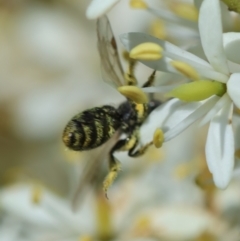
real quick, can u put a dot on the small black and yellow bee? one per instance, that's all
(93, 127)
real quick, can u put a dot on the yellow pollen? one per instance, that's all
(140, 4)
(85, 238)
(185, 10)
(237, 153)
(133, 93)
(158, 29)
(146, 51)
(37, 192)
(103, 218)
(158, 138)
(233, 5)
(198, 90)
(185, 69)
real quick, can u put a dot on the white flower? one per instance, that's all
(222, 69)
(97, 8)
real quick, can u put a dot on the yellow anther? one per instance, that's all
(185, 69)
(198, 90)
(146, 51)
(138, 4)
(37, 192)
(233, 5)
(185, 10)
(125, 55)
(85, 238)
(104, 228)
(142, 226)
(182, 171)
(133, 93)
(158, 138)
(158, 29)
(237, 153)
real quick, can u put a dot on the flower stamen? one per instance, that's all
(140, 4)
(146, 51)
(133, 93)
(185, 69)
(158, 138)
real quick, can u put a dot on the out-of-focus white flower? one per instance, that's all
(44, 216)
(176, 21)
(135, 214)
(218, 88)
(97, 8)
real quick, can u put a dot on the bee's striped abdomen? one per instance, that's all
(91, 128)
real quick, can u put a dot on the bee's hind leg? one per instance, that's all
(114, 166)
(129, 144)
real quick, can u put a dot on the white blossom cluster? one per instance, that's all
(220, 63)
(200, 55)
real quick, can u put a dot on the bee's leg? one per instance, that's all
(150, 80)
(114, 166)
(139, 151)
(129, 145)
(129, 74)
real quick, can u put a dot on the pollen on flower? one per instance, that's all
(37, 192)
(233, 5)
(237, 153)
(85, 238)
(158, 29)
(138, 4)
(158, 138)
(182, 171)
(197, 91)
(146, 51)
(185, 10)
(185, 69)
(133, 93)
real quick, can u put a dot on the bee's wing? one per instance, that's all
(112, 71)
(93, 172)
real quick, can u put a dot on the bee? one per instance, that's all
(94, 127)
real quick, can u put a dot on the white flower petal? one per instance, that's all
(210, 28)
(157, 118)
(220, 147)
(218, 106)
(130, 40)
(186, 115)
(97, 8)
(233, 88)
(231, 43)
(173, 117)
(233, 67)
(198, 3)
(170, 17)
(23, 207)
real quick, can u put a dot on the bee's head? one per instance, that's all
(72, 137)
(153, 104)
